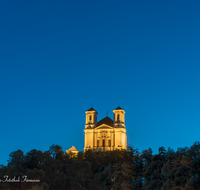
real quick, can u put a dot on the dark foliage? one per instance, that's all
(114, 170)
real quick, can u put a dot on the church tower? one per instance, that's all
(91, 118)
(106, 134)
(119, 117)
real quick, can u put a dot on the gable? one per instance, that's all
(104, 126)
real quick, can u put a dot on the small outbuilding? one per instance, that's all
(72, 150)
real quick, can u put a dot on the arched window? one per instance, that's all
(118, 117)
(90, 117)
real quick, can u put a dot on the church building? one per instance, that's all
(106, 134)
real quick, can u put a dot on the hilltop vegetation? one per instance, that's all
(115, 170)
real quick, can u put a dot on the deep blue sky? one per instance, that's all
(57, 58)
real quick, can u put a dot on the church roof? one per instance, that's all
(72, 149)
(105, 120)
(91, 109)
(118, 108)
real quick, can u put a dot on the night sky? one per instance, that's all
(57, 58)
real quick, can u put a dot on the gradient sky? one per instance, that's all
(57, 58)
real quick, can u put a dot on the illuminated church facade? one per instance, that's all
(106, 134)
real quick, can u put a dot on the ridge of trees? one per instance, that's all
(110, 170)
